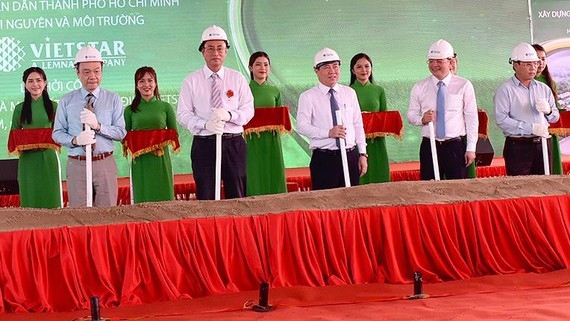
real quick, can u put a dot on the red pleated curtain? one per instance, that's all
(59, 269)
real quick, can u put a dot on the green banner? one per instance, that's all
(165, 34)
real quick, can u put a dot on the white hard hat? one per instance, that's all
(440, 49)
(325, 55)
(213, 33)
(87, 54)
(523, 52)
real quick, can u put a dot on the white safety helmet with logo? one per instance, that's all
(523, 52)
(213, 33)
(325, 55)
(87, 54)
(440, 49)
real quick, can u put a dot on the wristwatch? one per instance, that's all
(364, 154)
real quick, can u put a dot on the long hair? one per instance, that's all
(254, 57)
(26, 116)
(353, 61)
(549, 81)
(139, 74)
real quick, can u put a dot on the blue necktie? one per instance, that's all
(440, 118)
(334, 108)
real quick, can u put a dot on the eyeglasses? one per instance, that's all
(529, 64)
(219, 49)
(333, 66)
(437, 61)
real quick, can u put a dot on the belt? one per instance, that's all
(525, 140)
(334, 151)
(225, 136)
(444, 142)
(94, 157)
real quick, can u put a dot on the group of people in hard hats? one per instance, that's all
(523, 109)
(444, 102)
(216, 102)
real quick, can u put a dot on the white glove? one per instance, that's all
(220, 114)
(540, 130)
(542, 106)
(86, 137)
(216, 127)
(89, 118)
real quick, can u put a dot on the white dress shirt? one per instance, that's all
(314, 117)
(461, 116)
(194, 102)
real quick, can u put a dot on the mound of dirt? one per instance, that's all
(373, 195)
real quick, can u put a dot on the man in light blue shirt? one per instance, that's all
(523, 109)
(99, 125)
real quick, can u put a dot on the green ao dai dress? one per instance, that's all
(555, 141)
(265, 165)
(151, 174)
(38, 170)
(372, 98)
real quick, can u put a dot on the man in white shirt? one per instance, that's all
(449, 102)
(316, 121)
(216, 100)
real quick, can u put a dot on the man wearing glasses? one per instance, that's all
(216, 100)
(449, 102)
(317, 119)
(523, 109)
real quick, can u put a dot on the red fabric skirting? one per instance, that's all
(10, 200)
(59, 269)
(482, 172)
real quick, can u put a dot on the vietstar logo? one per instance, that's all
(56, 55)
(11, 54)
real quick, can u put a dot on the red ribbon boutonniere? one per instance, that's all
(230, 93)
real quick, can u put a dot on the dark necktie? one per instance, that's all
(334, 108)
(90, 101)
(440, 118)
(89, 106)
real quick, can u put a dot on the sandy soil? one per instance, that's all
(389, 194)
